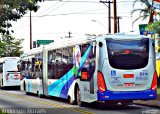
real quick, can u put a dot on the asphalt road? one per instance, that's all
(17, 102)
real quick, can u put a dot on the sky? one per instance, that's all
(55, 19)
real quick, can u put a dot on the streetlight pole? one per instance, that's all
(109, 14)
(30, 30)
(99, 23)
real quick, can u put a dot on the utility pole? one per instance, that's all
(109, 14)
(115, 15)
(118, 24)
(30, 30)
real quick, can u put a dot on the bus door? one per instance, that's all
(88, 64)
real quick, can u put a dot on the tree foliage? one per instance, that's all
(144, 12)
(12, 10)
(155, 27)
(9, 46)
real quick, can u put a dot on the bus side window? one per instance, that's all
(58, 63)
(67, 60)
(33, 64)
(70, 58)
(52, 64)
(23, 65)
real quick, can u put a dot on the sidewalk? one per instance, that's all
(154, 103)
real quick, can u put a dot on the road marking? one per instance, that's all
(46, 103)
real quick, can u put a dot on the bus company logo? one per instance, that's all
(113, 73)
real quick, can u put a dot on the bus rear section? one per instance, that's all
(127, 70)
(11, 75)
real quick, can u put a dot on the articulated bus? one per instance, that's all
(9, 74)
(115, 68)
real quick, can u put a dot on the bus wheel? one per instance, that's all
(78, 95)
(24, 88)
(71, 101)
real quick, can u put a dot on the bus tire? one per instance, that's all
(71, 101)
(78, 97)
(24, 88)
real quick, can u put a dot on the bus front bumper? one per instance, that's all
(132, 95)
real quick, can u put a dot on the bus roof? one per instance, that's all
(32, 51)
(126, 36)
(69, 42)
(75, 41)
(8, 58)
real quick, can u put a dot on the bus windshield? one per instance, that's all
(11, 65)
(128, 54)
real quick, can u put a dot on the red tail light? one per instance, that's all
(101, 83)
(154, 81)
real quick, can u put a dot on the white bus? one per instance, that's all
(115, 68)
(9, 74)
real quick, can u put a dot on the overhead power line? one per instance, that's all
(73, 1)
(82, 1)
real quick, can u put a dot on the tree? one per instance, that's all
(9, 46)
(155, 28)
(144, 12)
(12, 10)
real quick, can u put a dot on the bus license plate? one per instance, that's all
(129, 84)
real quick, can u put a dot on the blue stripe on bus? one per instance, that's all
(65, 77)
(29, 85)
(65, 89)
(55, 88)
(131, 95)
